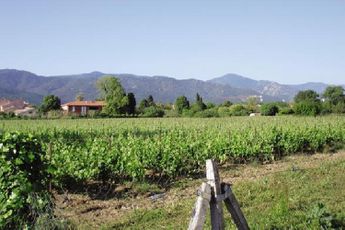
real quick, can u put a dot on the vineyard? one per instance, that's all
(81, 150)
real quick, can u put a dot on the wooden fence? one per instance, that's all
(211, 195)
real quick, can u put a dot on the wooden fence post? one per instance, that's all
(199, 212)
(234, 208)
(212, 175)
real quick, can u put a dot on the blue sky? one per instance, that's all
(290, 41)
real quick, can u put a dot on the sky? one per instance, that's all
(289, 41)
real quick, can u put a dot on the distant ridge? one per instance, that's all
(31, 87)
(269, 88)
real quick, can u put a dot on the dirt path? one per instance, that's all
(82, 209)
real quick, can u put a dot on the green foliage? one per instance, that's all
(23, 181)
(207, 113)
(239, 110)
(9, 115)
(252, 104)
(307, 108)
(54, 114)
(188, 113)
(226, 104)
(143, 104)
(131, 149)
(181, 104)
(114, 95)
(130, 107)
(306, 95)
(334, 100)
(153, 111)
(224, 111)
(210, 105)
(199, 105)
(146, 103)
(50, 102)
(307, 103)
(320, 216)
(148, 108)
(150, 101)
(269, 109)
(339, 107)
(334, 95)
(286, 111)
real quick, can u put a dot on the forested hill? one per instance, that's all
(163, 89)
(32, 87)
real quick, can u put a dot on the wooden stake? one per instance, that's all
(212, 175)
(234, 208)
(199, 212)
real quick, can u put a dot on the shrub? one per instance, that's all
(153, 111)
(7, 115)
(23, 181)
(171, 113)
(321, 217)
(187, 113)
(269, 109)
(224, 111)
(339, 107)
(239, 110)
(207, 113)
(307, 108)
(54, 114)
(286, 111)
(181, 104)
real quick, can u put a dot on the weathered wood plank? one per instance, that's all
(234, 208)
(199, 212)
(212, 175)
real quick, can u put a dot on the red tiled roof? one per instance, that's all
(85, 103)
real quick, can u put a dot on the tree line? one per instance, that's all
(120, 103)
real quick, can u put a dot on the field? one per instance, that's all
(96, 157)
(299, 192)
(133, 149)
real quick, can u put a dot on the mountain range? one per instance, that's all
(233, 87)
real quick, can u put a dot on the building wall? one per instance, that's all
(83, 110)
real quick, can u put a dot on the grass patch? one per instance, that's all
(298, 198)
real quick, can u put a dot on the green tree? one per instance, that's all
(181, 104)
(151, 101)
(334, 94)
(307, 103)
(199, 105)
(153, 111)
(252, 103)
(113, 93)
(306, 95)
(210, 105)
(143, 104)
(49, 103)
(307, 108)
(269, 109)
(334, 99)
(131, 103)
(226, 104)
(239, 110)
